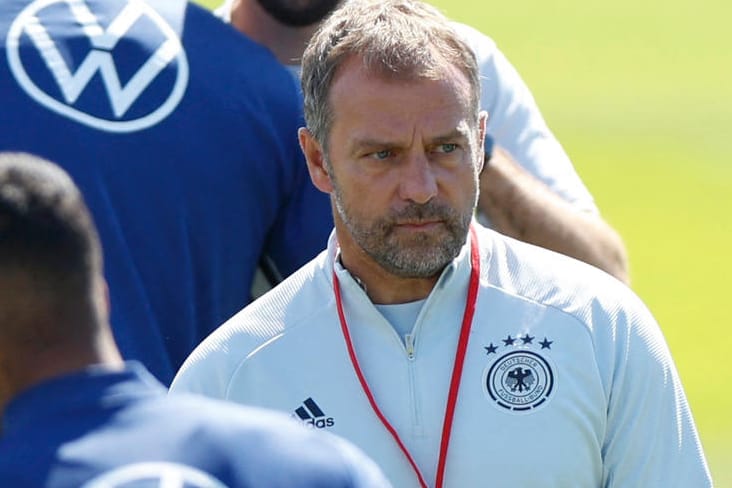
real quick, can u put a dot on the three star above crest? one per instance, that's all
(511, 341)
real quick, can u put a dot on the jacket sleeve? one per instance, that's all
(651, 439)
(208, 369)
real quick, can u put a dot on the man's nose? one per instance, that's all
(418, 180)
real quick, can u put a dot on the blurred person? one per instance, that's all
(529, 188)
(283, 26)
(190, 163)
(451, 354)
(74, 414)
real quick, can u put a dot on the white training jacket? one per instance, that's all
(567, 380)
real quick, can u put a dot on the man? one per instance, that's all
(453, 355)
(529, 190)
(283, 26)
(75, 415)
(189, 163)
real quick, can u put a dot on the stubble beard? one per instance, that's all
(298, 14)
(422, 255)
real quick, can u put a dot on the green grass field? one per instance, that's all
(640, 95)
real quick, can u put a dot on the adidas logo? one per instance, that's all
(310, 413)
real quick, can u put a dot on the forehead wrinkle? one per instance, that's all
(461, 131)
(388, 124)
(384, 123)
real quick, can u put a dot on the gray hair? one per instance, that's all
(399, 39)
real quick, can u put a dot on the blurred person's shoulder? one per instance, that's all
(279, 449)
(481, 44)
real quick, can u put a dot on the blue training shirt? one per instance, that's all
(99, 428)
(182, 135)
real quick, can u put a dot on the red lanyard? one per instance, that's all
(457, 369)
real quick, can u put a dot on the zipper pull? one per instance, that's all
(409, 343)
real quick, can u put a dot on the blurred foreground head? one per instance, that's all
(53, 310)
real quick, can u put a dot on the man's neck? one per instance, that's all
(287, 43)
(25, 368)
(381, 286)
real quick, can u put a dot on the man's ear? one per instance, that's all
(482, 126)
(102, 296)
(315, 159)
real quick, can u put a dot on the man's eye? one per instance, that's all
(447, 148)
(384, 154)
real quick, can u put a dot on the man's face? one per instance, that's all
(403, 159)
(298, 13)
